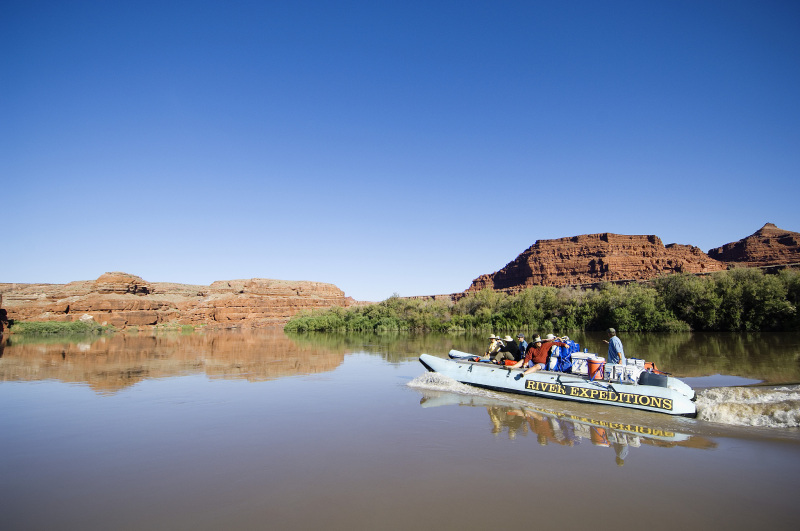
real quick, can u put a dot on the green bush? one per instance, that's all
(737, 300)
(57, 327)
(742, 299)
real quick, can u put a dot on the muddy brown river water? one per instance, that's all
(260, 430)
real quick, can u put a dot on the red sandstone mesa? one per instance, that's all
(596, 258)
(122, 300)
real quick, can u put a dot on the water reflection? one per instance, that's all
(566, 429)
(394, 347)
(767, 357)
(110, 363)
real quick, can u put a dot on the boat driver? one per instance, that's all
(615, 352)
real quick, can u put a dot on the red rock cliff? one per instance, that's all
(768, 246)
(122, 300)
(594, 258)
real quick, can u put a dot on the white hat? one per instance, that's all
(493, 337)
(550, 336)
(537, 339)
(507, 338)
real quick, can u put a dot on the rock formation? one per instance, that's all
(769, 246)
(124, 300)
(594, 258)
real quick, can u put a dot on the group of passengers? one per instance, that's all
(532, 356)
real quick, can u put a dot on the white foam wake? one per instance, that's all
(434, 381)
(777, 407)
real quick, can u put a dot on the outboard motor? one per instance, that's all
(651, 378)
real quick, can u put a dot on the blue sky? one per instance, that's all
(386, 147)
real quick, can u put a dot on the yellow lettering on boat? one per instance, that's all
(604, 395)
(655, 402)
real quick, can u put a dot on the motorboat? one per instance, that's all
(649, 391)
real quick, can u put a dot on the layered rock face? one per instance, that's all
(594, 258)
(769, 246)
(123, 300)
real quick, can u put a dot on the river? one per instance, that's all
(260, 430)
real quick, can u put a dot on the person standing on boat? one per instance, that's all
(523, 345)
(536, 355)
(615, 353)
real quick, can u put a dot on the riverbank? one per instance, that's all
(735, 300)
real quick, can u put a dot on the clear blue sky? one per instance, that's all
(386, 147)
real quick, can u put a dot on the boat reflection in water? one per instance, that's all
(566, 429)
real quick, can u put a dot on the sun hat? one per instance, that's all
(550, 336)
(493, 337)
(537, 339)
(507, 338)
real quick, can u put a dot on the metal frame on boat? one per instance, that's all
(676, 398)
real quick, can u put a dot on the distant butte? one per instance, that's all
(594, 258)
(769, 246)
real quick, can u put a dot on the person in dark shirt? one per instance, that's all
(509, 351)
(523, 345)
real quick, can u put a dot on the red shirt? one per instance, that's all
(540, 354)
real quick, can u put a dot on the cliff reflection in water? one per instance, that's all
(565, 429)
(111, 363)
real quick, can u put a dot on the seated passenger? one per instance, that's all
(523, 346)
(536, 355)
(494, 346)
(552, 354)
(509, 351)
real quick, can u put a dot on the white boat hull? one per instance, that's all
(562, 386)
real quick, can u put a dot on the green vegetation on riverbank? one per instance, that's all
(735, 300)
(58, 327)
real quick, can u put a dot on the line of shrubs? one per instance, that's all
(741, 299)
(59, 327)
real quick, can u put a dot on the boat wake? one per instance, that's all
(769, 407)
(433, 381)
